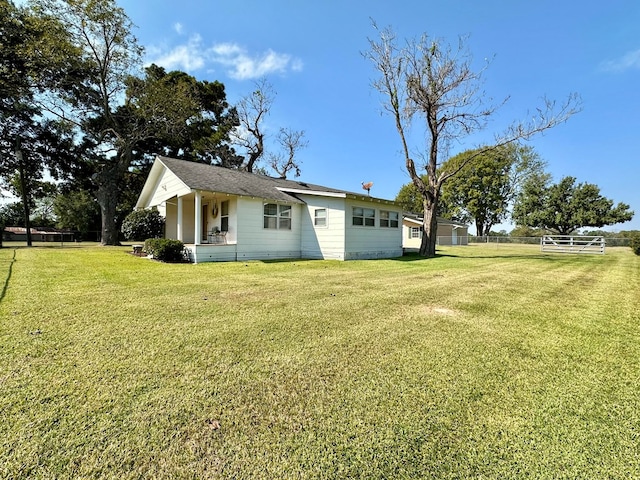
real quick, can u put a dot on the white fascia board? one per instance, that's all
(364, 198)
(312, 192)
(167, 169)
(412, 220)
(152, 184)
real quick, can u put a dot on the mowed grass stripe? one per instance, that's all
(484, 362)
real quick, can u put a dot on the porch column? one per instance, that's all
(179, 226)
(198, 232)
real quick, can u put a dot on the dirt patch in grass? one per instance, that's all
(437, 310)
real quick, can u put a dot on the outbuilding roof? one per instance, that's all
(419, 219)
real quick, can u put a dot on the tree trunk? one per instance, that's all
(108, 200)
(429, 230)
(108, 195)
(255, 154)
(25, 203)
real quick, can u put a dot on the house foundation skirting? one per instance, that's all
(206, 252)
(202, 253)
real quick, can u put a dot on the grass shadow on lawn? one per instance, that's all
(9, 271)
(412, 257)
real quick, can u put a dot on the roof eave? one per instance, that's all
(317, 193)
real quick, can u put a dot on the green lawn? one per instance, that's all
(486, 362)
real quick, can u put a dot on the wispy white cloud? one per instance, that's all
(242, 66)
(178, 28)
(187, 57)
(236, 60)
(629, 61)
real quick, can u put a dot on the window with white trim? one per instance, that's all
(364, 217)
(224, 216)
(388, 219)
(277, 216)
(320, 217)
(416, 232)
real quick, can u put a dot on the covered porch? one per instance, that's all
(201, 218)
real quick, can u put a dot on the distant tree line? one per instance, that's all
(510, 184)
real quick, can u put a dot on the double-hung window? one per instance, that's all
(224, 216)
(277, 216)
(416, 232)
(388, 219)
(320, 217)
(364, 217)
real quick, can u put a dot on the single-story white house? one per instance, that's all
(229, 215)
(449, 232)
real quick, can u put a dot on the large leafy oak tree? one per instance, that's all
(120, 113)
(92, 98)
(566, 206)
(484, 189)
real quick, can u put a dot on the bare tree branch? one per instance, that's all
(429, 80)
(252, 110)
(291, 141)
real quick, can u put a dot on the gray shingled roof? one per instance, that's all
(200, 176)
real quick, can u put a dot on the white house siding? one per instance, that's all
(170, 213)
(447, 235)
(168, 186)
(212, 253)
(323, 242)
(407, 241)
(258, 243)
(372, 242)
(188, 218)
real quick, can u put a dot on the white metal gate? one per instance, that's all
(572, 244)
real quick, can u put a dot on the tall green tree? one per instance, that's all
(484, 188)
(410, 200)
(426, 79)
(11, 214)
(33, 56)
(566, 206)
(92, 98)
(77, 210)
(123, 114)
(184, 117)
(409, 197)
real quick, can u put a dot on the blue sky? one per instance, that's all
(311, 52)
